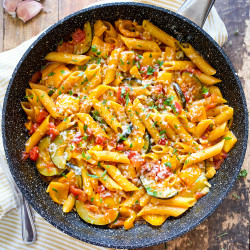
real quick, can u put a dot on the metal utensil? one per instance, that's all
(196, 10)
(26, 213)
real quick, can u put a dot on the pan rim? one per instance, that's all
(135, 244)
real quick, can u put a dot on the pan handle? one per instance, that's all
(196, 10)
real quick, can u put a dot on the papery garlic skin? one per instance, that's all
(10, 6)
(28, 9)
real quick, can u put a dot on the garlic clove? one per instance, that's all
(10, 6)
(28, 9)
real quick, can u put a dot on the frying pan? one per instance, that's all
(15, 134)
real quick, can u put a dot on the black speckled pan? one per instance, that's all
(26, 175)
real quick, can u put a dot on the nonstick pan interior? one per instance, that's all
(26, 175)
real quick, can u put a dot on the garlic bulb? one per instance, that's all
(28, 9)
(10, 6)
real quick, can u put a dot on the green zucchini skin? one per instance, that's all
(44, 159)
(196, 82)
(125, 134)
(157, 192)
(91, 218)
(59, 146)
(180, 94)
(83, 47)
(147, 143)
(134, 82)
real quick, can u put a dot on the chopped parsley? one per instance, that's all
(236, 196)
(145, 86)
(64, 175)
(122, 61)
(60, 43)
(104, 173)
(222, 234)
(162, 132)
(85, 128)
(55, 190)
(93, 48)
(204, 90)
(150, 70)
(151, 192)
(51, 74)
(93, 176)
(168, 164)
(127, 98)
(50, 92)
(227, 138)
(242, 174)
(160, 63)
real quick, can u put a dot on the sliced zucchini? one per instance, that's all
(96, 116)
(84, 46)
(191, 78)
(57, 150)
(125, 134)
(107, 216)
(157, 189)
(134, 82)
(180, 94)
(44, 160)
(147, 143)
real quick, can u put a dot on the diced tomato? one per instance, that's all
(158, 88)
(155, 74)
(178, 107)
(100, 140)
(213, 98)
(143, 72)
(57, 122)
(208, 94)
(77, 138)
(42, 116)
(25, 155)
(130, 153)
(66, 48)
(36, 77)
(193, 71)
(52, 131)
(210, 106)
(136, 161)
(198, 195)
(218, 160)
(163, 141)
(118, 223)
(34, 153)
(137, 58)
(121, 94)
(78, 35)
(78, 193)
(90, 133)
(34, 127)
(136, 207)
(112, 47)
(187, 97)
(120, 147)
